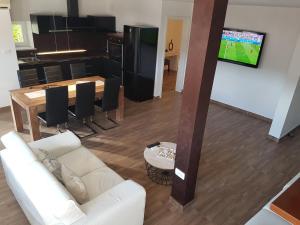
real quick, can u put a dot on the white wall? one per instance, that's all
(94, 7)
(287, 116)
(8, 59)
(44, 6)
(271, 89)
(258, 90)
(20, 10)
(293, 117)
(134, 12)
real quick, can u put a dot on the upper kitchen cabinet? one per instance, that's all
(46, 23)
(103, 23)
(79, 24)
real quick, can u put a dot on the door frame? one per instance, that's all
(182, 61)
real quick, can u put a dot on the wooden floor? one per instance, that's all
(241, 169)
(169, 81)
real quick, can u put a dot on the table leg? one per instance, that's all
(34, 125)
(16, 111)
(121, 109)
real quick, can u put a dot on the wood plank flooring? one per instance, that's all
(241, 169)
(169, 81)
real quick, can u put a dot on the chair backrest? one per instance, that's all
(57, 105)
(110, 100)
(78, 70)
(85, 98)
(28, 77)
(53, 73)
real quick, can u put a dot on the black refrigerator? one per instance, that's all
(140, 49)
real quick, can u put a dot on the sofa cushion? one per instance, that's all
(22, 152)
(58, 145)
(101, 180)
(74, 185)
(265, 217)
(81, 161)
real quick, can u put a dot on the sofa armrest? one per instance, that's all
(124, 204)
(59, 144)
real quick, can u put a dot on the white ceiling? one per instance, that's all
(283, 3)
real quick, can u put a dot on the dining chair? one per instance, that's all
(56, 107)
(84, 108)
(53, 73)
(28, 77)
(78, 70)
(110, 99)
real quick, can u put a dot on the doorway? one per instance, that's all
(173, 44)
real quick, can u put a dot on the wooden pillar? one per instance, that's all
(207, 26)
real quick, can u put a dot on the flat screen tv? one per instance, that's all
(241, 47)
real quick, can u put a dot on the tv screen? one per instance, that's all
(241, 47)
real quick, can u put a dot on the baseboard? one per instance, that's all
(242, 111)
(291, 134)
(278, 140)
(5, 109)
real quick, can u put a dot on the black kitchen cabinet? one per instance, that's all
(103, 23)
(80, 24)
(42, 24)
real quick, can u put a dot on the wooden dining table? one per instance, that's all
(32, 100)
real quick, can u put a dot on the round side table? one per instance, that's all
(160, 162)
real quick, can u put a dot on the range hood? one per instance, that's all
(73, 10)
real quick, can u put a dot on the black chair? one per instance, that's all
(53, 74)
(110, 99)
(56, 107)
(84, 107)
(78, 70)
(28, 77)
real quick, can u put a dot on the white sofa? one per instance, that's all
(45, 201)
(266, 216)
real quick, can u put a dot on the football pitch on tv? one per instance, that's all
(239, 51)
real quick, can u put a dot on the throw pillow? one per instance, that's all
(74, 185)
(51, 163)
